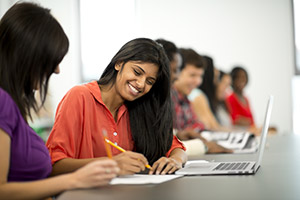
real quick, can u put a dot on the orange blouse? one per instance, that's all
(81, 117)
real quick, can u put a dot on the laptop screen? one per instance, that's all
(264, 132)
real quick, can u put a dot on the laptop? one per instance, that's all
(239, 141)
(236, 167)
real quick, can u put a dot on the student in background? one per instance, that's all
(173, 56)
(193, 146)
(238, 104)
(131, 101)
(32, 44)
(223, 86)
(190, 77)
(203, 99)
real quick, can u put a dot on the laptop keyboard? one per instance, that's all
(232, 166)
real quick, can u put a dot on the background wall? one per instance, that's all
(254, 33)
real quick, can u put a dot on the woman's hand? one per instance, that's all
(213, 147)
(94, 174)
(130, 162)
(187, 134)
(165, 166)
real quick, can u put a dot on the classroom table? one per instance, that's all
(277, 178)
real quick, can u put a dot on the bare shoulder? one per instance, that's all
(201, 98)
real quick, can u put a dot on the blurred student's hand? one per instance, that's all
(256, 131)
(94, 174)
(187, 134)
(213, 147)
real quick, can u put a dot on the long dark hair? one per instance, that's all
(208, 85)
(169, 47)
(150, 115)
(32, 44)
(222, 103)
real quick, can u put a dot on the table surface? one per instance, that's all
(277, 178)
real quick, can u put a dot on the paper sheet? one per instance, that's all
(137, 179)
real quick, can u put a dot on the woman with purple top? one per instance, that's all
(32, 44)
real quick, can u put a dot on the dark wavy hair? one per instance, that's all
(190, 56)
(150, 115)
(208, 86)
(32, 44)
(221, 103)
(169, 47)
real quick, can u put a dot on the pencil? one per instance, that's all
(107, 147)
(121, 149)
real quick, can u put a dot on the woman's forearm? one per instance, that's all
(68, 165)
(179, 155)
(35, 189)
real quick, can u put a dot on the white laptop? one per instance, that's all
(236, 167)
(239, 142)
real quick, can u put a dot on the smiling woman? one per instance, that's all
(135, 79)
(132, 102)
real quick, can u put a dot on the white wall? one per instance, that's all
(67, 13)
(254, 33)
(4, 5)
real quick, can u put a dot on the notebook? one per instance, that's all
(236, 167)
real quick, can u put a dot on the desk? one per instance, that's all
(274, 179)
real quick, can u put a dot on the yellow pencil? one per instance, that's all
(107, 147)
(121, 149)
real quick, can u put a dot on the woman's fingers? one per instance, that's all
(165, 166)
(97, 173)
(130, 162)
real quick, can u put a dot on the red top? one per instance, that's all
(81, 117)
(238, 109)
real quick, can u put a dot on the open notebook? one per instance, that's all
(236, 167)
